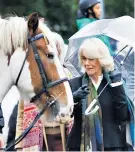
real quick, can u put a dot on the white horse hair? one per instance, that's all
(16, 27)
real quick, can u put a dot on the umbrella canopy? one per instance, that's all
(121, 29)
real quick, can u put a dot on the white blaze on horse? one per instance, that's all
(39, 81)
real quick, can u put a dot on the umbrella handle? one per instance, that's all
(90, 110)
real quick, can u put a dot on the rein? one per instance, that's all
(23, 135)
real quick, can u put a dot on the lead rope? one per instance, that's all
(45, 138)
(62, 130)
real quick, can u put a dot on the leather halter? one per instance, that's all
(46, 84)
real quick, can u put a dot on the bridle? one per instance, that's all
(45, 83)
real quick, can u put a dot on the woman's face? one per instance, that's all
(97, 10)
(92, 66)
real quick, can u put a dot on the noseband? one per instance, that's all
(45, 83)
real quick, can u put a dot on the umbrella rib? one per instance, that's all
(120, 51)
(71, 56)
(122, 62)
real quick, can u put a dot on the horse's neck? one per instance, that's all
(24, 84)
(6, 83)
(5, 76)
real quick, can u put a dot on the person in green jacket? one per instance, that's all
(90, 11)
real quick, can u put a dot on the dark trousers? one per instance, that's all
(54, 142)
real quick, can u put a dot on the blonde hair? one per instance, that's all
(96, 49)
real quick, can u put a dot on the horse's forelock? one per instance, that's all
(18, 29)
(46, 31)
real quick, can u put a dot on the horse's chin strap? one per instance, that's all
(52, 84)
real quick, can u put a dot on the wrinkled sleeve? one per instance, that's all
(76, 83)
(121, 103)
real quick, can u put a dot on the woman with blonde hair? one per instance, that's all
(101, 130)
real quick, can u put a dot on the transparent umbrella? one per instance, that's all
(121, 29)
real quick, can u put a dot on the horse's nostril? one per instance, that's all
(62, 115)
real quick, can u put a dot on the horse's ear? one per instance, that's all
(33, 22)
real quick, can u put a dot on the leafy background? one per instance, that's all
(60, 15)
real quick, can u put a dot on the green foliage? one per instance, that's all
(22, 7)
(60, 15)
(117, 8)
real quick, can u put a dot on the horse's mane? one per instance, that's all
(4, 42)
(46, 31)
(14, 32)
(61, 46)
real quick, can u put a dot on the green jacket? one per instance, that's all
(85, 21)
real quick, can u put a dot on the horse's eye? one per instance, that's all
(50, 55)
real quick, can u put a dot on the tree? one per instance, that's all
(119, 8)
(61, 15)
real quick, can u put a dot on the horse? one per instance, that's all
(38, 76)
(12, 118)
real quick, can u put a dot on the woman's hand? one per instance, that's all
(81, 93)
(115, 76)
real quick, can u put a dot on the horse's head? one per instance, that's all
(50, 76)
